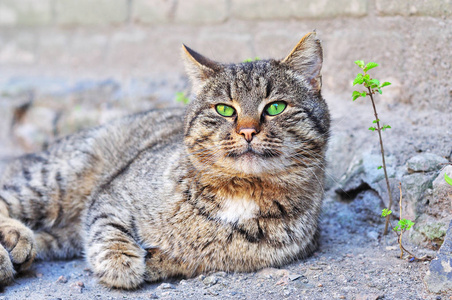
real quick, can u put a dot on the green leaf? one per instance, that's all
(180, 97)
(356, 95)
(374, 83)
(385, 84)
(251, 59)
(360, 63)
(372, 128)
(375, 121)
(370, 65)
(385, 212)
(379, 91)
(404, 224)
(358, 79)
(385, 127)
(380, 167)
(363, 94)
(448, 179)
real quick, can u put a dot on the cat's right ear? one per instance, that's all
(306, 59)
(198, 67)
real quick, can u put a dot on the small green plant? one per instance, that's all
(251, 59)
(448, 179)
(403, 225)
(181, 97)
(373, 86)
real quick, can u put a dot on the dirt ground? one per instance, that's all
(354, 261)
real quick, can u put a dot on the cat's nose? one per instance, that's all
(248, 133)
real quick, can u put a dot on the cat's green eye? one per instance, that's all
(225, 110)
(275, 108)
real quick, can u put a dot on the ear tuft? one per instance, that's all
(198, 67)
(306, 59)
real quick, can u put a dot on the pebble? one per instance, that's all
(210, 280)
(166, 286)
(287, 293)
(320, 285)
(62, 279)
(269, 273)
(78, 286)
(294, 277)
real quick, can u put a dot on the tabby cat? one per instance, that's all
(233, 182)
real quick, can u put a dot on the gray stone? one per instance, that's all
(330, 9)
(87, 12)
(268, 9)
(425, 162)
(166, 286)
(439, 275)
(433, 8)
(440, 202)
(152, 11)
(201, 11)
(414, 187)
(210, 280)
(293, 277)
(25, 12)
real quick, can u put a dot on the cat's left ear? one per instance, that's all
(198, 67)
(306, 59)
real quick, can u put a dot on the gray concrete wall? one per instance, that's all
(69, 64)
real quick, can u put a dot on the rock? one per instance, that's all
(77, 286)
(439, 275)
(425, 162)
(432, 228)
(441, 200)
(166, 286)
(414, 187)
(369, 296)
(152, 296)
(373, 235)
(272, 273)
(62, 279)
(294, 277)
(210, 280)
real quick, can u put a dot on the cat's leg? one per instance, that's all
(60, 243)
(17, 248)
(111, 250)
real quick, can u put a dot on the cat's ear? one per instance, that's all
(198, 67)
(306, 59)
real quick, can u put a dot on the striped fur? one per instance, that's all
(178, 192)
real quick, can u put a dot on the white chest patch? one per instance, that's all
(237, 210)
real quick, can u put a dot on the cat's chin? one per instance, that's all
(250, 163)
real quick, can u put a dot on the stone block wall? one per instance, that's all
(69, 64)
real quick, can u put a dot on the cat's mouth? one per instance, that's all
(250, 152)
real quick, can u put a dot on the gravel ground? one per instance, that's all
(353, 261)
(350, 264)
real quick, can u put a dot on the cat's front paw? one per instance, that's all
(6, 267)
(18, 241)
(118, 265)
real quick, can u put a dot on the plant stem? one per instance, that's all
(400, 217)
(385, 232)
